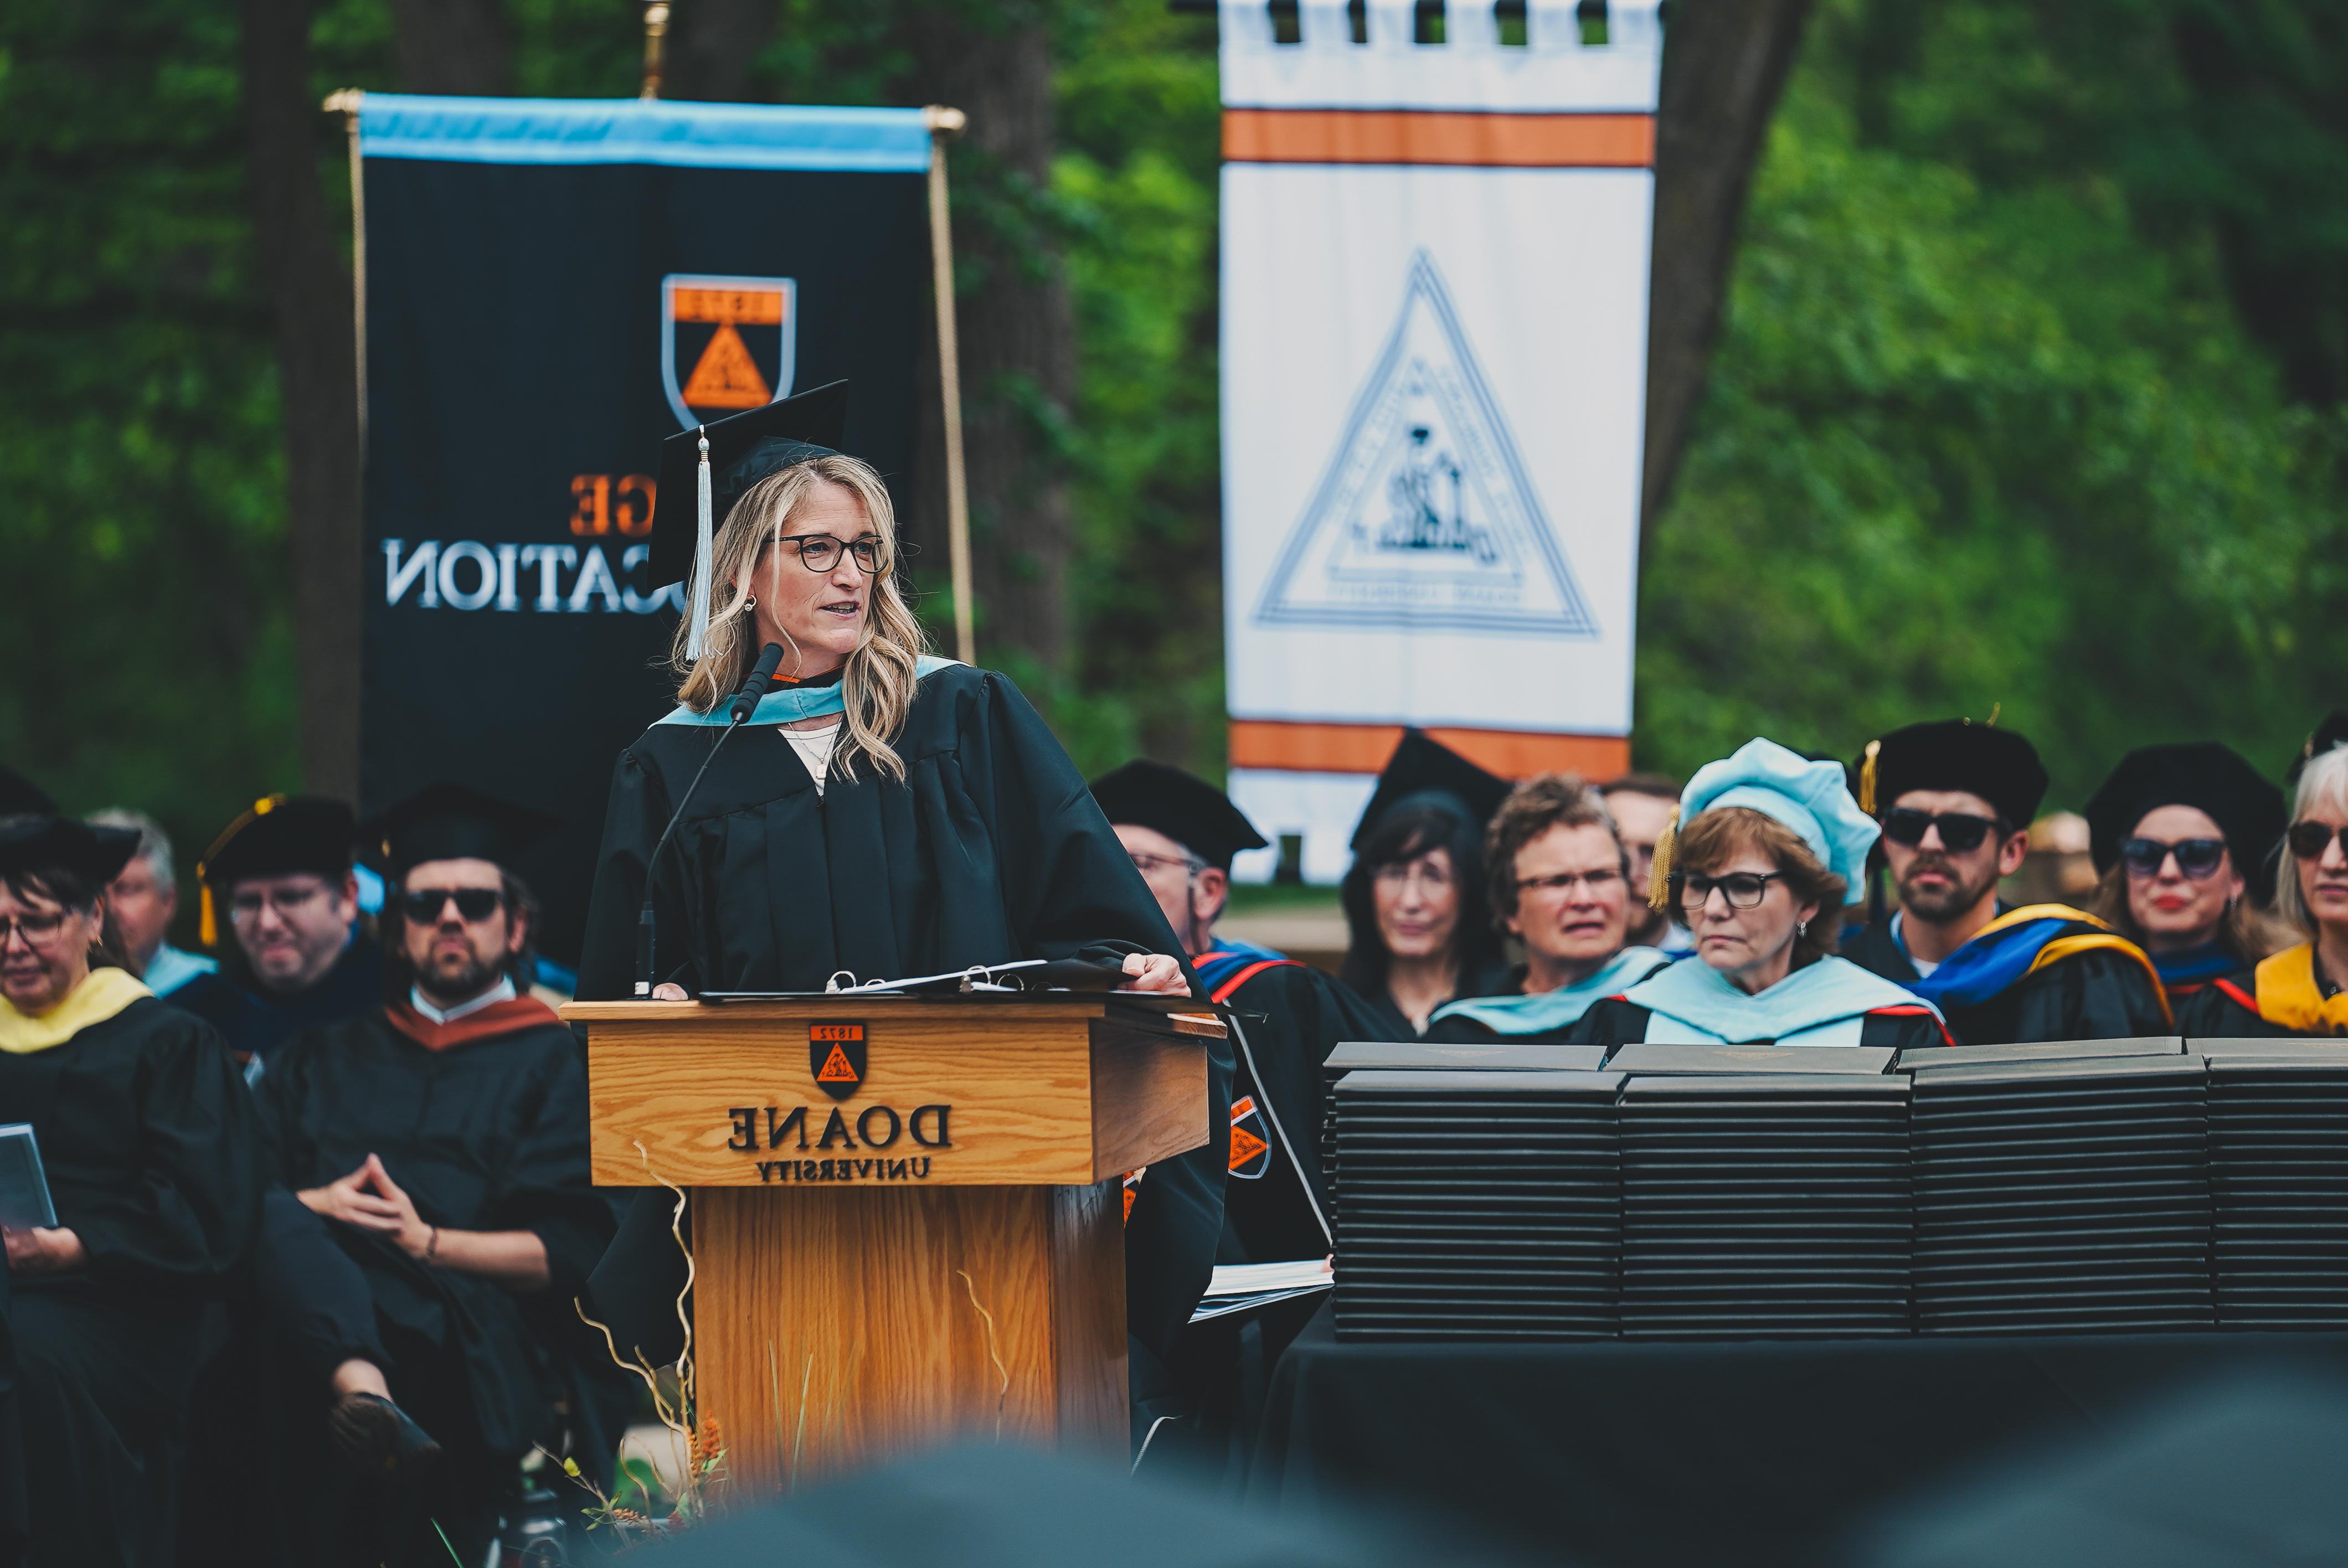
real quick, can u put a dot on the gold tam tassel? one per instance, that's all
(1658, 879)
(1867, 778)
(1994, 710)
(207, 923)
(207, 916)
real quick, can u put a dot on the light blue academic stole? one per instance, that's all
(1826, 1004)
(792, 703)
(1545, 1011)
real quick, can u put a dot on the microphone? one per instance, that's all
(762, 676)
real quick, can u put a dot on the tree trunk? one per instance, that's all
(1017, 332)
(1724, 63)
(310, 286)
(457, 46)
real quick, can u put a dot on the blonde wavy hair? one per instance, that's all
(877, 683)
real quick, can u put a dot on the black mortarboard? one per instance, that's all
(744, 448)
(2246, 806)
(1185, 808)
(20, 796)
(282, 833)
(45, 842)
(1423, 772)
(448, 821)
(1999, 766)
(2332, 732)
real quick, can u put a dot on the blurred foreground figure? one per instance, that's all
(1955, 800)
(144, 900)
(147, 1141)
(1768, 852)
(443, 1138)
(1561, 884)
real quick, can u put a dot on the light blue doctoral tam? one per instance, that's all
(1811, 798)
(1546, 1011)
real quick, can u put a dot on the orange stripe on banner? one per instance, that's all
(1394, 136)
(1364, 748)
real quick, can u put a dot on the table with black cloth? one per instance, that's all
(1614, 1452)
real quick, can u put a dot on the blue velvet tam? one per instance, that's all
(1811, 798)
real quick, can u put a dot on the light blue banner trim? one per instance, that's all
(792, 703)
(629, 130)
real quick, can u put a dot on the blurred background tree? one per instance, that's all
(2026, 390)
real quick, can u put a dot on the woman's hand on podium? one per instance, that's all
(669, 991)
(1155, 972)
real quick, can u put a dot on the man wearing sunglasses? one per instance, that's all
(442, 1139)
(1955, 800)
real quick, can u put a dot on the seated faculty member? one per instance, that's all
(884, 813)
(1641, 805)
(1955, 800)
(1417, 934)
(144, 901)
(299, 956)
(146, 1138)
(1561, 886)
(444, 1139)
(1759, 868)
(2185, 838)
(2304, 989)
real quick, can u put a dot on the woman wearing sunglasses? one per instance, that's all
(2185, 838)
(2304, 989)
(1768, 853)
(882, 814)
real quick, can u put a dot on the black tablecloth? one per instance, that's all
(1625, 1451)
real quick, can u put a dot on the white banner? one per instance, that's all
(1434, 262)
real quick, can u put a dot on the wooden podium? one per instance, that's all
(907, 1215)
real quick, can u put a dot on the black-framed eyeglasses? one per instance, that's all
(423, 905)
(1742, 889)
(1563, 880)
(2308, 840)
(2196, 858)
(820, 552)
(38, 929)
(1149, 864)
(1960, 831)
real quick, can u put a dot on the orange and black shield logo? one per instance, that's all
(1251, 1139)
(836, 1057)
(726, 343)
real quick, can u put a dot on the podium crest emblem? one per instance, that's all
(836, 1057)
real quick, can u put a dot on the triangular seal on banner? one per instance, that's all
(1426, 517)
(727, 376)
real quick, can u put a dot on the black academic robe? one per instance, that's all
(255, 1021)
(2225, 1007)
(1615, 1021)
(2094, 995)
(146, 1138)
(989, 850)
(488, 1135)
(1488, 977)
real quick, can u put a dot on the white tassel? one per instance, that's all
(697, 638)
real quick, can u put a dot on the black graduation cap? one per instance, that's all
(448, 821)
(45, 842)
(282, 833)
(20, 796)
(1999, 766)
(1424, 771)
(1183, 807)
(2246, 806)
(2332, 732)
(744, 448)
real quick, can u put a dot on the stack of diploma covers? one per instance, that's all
(2062, 1195)
(1238, 1287)
(2279, 1174)
(1480, 1204)
(23, 1189)
(1765, 1192)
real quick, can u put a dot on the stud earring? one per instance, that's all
(750, 604)
(1801, 928)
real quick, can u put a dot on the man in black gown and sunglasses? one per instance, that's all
(1955, 800)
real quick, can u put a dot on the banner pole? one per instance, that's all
(656, 43)
(346, 104)
(945, 124)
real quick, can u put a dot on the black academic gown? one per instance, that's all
(2087, 996)
(2225, 1007)
(146, 1139)
(1614, 1021)
(489, 1135)
(256, 1022)
(1487, 978)
(991, 850)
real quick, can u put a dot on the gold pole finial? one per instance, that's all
(656, 46)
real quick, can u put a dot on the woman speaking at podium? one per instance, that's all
(881, 814)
